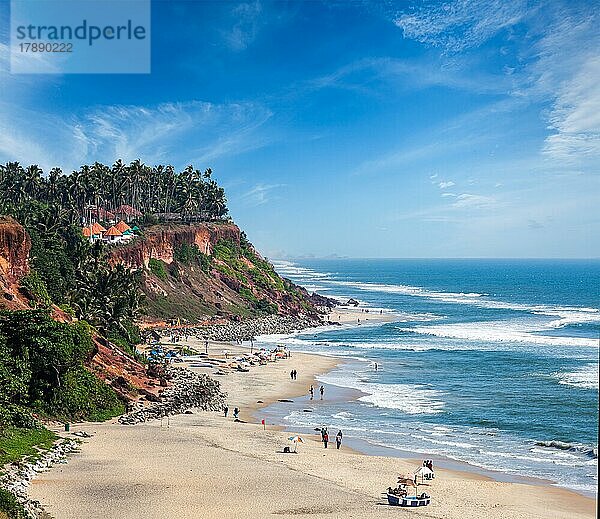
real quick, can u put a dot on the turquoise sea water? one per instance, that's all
(491, 362)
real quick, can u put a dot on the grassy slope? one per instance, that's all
(235, 280)
(20, 444)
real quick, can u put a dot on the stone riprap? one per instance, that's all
(249, 329)
(188, 390)
(17, 476)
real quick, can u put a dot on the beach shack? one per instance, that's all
(96, 232)
(87, 233)
(113, 235)
(125, 230)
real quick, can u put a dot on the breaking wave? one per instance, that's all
(588, 450)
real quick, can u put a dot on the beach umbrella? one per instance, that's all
(296, 439)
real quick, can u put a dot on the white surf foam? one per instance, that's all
(408, 398)
(567, 314)
(498, 331)
(584, 377)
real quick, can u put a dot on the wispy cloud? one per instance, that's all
(575, 117)
(180, 133)
(558, 61)
(459, 25)
(248, 21)
(445, 185)
(469, 200)
(260, 194)
(368, 74)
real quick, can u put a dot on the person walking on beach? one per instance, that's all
(295, 375)
(292, 374)
(325, 438)
(312, 392)
(226, 411)
(338, 440)
(322, 390)
(236, 413)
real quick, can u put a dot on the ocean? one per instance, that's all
(491, 362)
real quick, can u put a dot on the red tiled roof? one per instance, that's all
(103, 213)
(127, 210)
(87, 232)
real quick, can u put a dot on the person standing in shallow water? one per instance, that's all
(338, 440)
(312, 392)
(322, 390)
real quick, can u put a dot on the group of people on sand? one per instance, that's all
(311, 391)
(325, 437)
(293, 374)
(236, 412)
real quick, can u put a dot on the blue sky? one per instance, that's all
(407, 129)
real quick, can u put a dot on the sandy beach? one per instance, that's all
(206, 465)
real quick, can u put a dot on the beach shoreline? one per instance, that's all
(142, 467)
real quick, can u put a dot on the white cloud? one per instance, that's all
(460, 24)
(557, 62)
(469, 200)
(445, 185)
(248, 20)
(575, 118)
(177, 133)
(361, 76)
(259, 194)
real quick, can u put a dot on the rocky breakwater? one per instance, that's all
(247, 330)
(188, 390)
(17, 476)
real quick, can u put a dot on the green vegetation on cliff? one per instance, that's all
(42, 369)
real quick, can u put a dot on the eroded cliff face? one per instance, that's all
(234, 285)
(160, 241)
(15, 245)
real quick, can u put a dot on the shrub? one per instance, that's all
(190, 254)
(84, 397)
(42, 367)
(10, 508)
(157, 268)
(35, 285)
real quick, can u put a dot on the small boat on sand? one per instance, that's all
(399, 496)
(408, 501)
